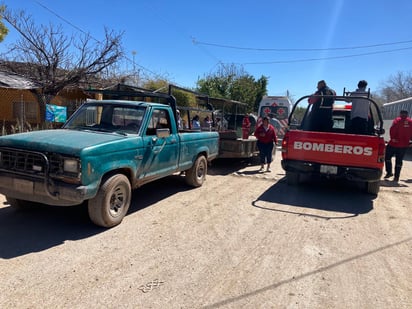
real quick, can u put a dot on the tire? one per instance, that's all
(110, 205)
(292, 178)
(373, 187)
(196, 175)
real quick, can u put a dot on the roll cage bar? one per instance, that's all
(344, 98)
(126, 92)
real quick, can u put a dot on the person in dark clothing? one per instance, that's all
(322, 104)
(401, 135)
(360, 109)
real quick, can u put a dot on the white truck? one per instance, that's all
(277, 108)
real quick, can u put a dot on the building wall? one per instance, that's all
(21, 106)
(9, 98)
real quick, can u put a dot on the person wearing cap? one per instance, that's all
(400, 137)
(322, 104)
(360, 109)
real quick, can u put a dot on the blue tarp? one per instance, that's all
(55, 113)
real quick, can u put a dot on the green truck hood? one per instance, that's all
(68, 142)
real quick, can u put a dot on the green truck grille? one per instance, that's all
(27, 162)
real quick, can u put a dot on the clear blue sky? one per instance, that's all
(184, 40)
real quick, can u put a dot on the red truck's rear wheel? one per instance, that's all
(373, 187)
(112, 201)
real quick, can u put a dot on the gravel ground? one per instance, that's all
(242, 240)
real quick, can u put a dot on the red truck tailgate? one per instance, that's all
(334, 148)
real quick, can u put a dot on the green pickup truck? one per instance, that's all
(104, 150)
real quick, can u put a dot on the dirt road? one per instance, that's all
(242, 240)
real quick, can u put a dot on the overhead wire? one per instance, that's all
(299, 49)
(200, 43)
(84, 32)
(328, 58)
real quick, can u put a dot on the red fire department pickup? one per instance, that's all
(337, 153)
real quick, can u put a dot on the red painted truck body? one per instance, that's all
(335, 154)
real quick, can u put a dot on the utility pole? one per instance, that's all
(22, 113)
(134, 67)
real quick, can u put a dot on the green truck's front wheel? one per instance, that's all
(195, 176)
(112, 201)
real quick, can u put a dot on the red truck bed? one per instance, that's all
(334, 154)
(334, 148)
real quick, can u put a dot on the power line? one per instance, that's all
(326, 58)
(65, 20)
(199, 43)
(196, 42)
(86, 33)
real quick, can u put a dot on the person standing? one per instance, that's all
(179, 120)
(207, 123)
(246, 127)
(266, 139)
(322, 104)
(400, 136)
(360, 109)
(196, 123)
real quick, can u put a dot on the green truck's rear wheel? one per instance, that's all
(196, 175)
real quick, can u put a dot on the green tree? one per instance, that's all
(157, 85)
(55, 60)
(3, 29)
(234, 83)
(183, 98)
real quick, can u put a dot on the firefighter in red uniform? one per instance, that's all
(400, 134)
(245, 127)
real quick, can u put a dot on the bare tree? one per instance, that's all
(397, 87)
(54, 60)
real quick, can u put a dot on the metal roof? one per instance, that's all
(15, 81)
(406, 100)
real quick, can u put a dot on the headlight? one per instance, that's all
(71, 165)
